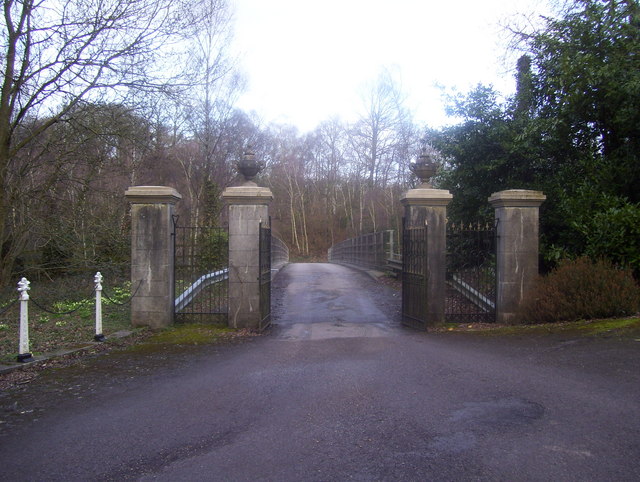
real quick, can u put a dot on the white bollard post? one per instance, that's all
(23, 351)
(98, 281)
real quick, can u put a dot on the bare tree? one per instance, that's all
(374, 136)
(56, 54)
(209, 108)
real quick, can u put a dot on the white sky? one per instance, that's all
(308, 60)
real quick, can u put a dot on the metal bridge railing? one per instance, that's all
(373, 250)
(279, 253)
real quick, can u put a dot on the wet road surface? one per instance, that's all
(338, 391)
(322, 300)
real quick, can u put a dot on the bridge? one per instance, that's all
(326, 300)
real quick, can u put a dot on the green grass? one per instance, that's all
(49, 332)
(616, 327)
(191, 334)
(182, 336)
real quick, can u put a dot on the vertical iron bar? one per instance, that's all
(471, 273)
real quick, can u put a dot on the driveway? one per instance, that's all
(337, 391)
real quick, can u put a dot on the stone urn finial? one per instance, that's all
(249, 167)
(424, 168)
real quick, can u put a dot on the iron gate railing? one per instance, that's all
(471, 273)
(201, 259)
(414, 276)
(264, 276)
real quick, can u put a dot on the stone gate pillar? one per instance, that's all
(248, 206)
(426, 205)
(517, 216)
(152, 254)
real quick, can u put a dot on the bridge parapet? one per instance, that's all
(372, 250)
(279, 253)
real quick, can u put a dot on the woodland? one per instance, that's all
(100, 96)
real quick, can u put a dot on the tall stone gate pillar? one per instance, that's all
(248, 207)
(152, 254)
(517, 215)
(425, 205)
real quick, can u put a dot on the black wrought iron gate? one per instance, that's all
(201, 260)
(264, 277)
(471, 273)
(414, 276)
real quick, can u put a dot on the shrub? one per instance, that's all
(213, 245)
(615, 234)
(581, 289)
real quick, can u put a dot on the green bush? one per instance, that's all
(595, 224)
(581, 289)
(213, 246)
(615, 235)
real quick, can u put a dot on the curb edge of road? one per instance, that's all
(7, 368)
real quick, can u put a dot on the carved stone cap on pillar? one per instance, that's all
(247, 195)
(517, 198)
(426, 197)
(152, 195)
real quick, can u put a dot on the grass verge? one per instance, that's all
(196, 334)
(141, 341)
(628, 327)
(50, 332)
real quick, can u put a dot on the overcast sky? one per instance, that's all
(308, 60)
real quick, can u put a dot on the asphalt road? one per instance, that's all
(337, 391)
